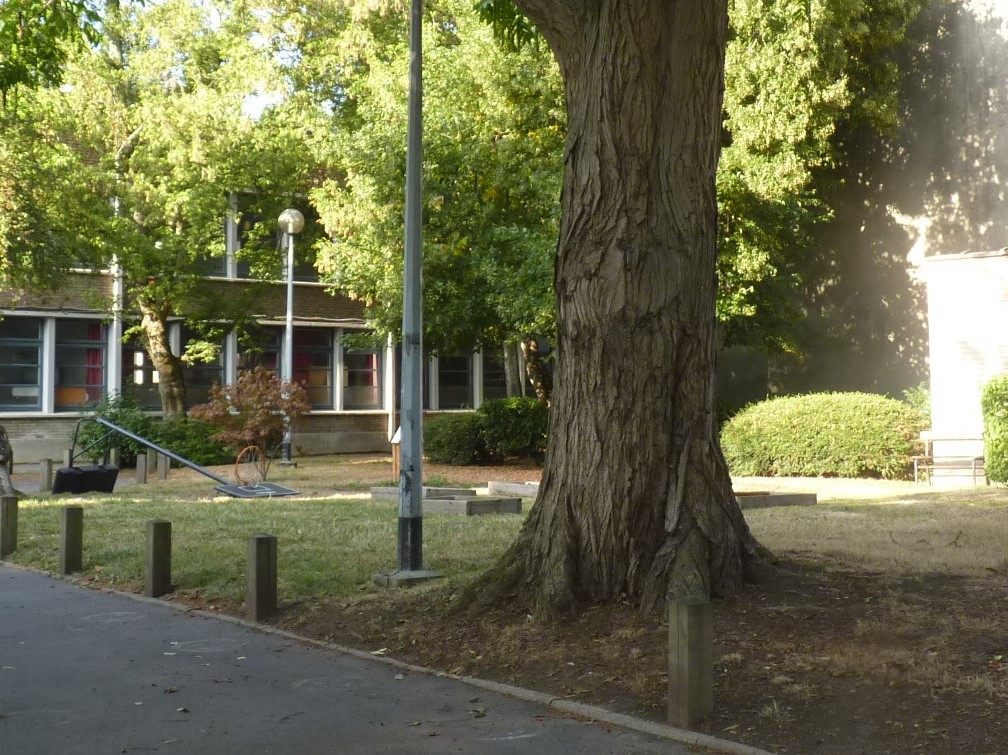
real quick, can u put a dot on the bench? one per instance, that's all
(950, 464)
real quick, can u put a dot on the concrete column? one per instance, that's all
(261, 577)
(45, 475)
(691, 662)
(71, 552)
(8, 525)
(141, 469)
(157, 570)
(163, 465)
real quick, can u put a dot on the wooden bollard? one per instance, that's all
(157, 570)
(8, 525)
(71, 553)
(141, 469)
(261, 577)
(163, 465)
(67, 457)
(45, 475)
(691, 662)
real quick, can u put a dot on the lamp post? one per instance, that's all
(291, 222)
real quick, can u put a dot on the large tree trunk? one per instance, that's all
(171, 379)
(636, 498)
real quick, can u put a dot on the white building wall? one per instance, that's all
(968, 326)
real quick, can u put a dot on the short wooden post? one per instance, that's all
(691, 662)
(115, 456)
(163, 465)
(158, 562)
(8, 525)
(261, 577)
(45, 475)
(141, 469)
(67, 457)
(151, 462)
(71, 553)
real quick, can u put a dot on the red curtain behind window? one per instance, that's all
(94, 376)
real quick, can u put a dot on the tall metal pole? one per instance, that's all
(291, 222)
(287, 373)
(410, 551)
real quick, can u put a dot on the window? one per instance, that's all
(20, 363)
(200, 376)
(311, 365)
(454, 386)
(494, 375)
(139, 378)
(361, 379)
(80, 363)
(260, 348)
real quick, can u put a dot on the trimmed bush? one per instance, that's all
(454, 439)
(515, 427)
(824, 435)
(994, 403)
(122, 410)
(191, 439)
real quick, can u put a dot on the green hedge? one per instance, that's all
(454, 439)
(188, 437)
(824, 435)
(499, 429)
(994, 403)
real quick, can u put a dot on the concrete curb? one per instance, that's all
(558, 705)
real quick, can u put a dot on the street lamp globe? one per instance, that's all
(291, 221)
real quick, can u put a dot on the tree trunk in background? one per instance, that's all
(6, 464)
(636, 499)
(540, 374)
(171, 379)
(512, 375)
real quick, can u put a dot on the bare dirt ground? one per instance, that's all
(819, 656)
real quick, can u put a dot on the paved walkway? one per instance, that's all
(83, 671)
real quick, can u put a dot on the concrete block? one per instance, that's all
(766, 500)
(8, 525)
(522, 489)
(470, 506)
(261, 577)
(141, 469)
(71, 551)
(392, 493)
(157, 572)
(691, 662)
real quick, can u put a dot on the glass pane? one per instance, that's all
(361, 380)
(80, 363)
(21, 327)
(494, 376)
(455, 382)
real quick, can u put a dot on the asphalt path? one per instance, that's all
(84, 671)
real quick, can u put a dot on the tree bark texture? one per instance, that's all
(171, 379)
(636, 498)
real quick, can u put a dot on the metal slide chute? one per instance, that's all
(102, 477)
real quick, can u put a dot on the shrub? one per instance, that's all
(454, 439)
(192, 439)
(824, 434)
(994, 403)
(515, 427)
(251, 411)
(121, 410)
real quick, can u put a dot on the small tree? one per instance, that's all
(252, 410)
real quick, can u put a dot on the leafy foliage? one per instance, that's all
(455, 439)
(994, 403)
(515, 427)
(493, 131)
(499, 429)
(193, 439)
(34, 35)
(251, 411)
(122, 410)
(823, 434)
